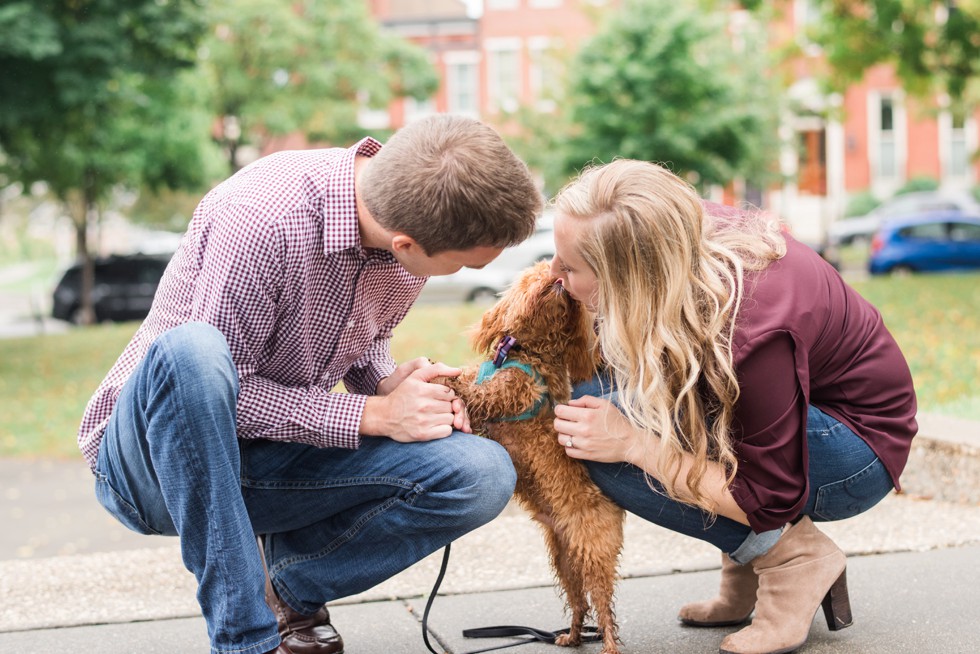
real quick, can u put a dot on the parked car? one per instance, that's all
(123, 289)
(849, 230)
(926, 242)
(484, 285)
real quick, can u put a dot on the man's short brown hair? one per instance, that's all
(451, 183)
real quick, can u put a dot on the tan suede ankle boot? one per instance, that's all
(735, 601)
(802, 570)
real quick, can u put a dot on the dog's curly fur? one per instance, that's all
(583, 529)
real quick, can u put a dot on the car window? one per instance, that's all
(113, 272)
(150, 272)
(964, 232)
(924, 232)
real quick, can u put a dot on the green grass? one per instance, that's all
(46, 381)
(936, 321)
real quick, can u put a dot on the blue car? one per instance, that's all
(926, 242)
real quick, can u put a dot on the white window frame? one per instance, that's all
(881, 185)
(946, 134)
(494, 48)
(539, 48)
(454, 59)
(544, 4)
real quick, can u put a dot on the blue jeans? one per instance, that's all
(846, 478)
(337, 521)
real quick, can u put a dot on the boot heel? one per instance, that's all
(837, 605)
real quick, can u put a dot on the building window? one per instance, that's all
(887, 141)
(504, 74)
(957, 142)
(959, 156)
(544, 4)
(887, 165)
(462, 83)
(545, 71)
(415, 109)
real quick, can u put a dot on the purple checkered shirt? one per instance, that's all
(273, 259)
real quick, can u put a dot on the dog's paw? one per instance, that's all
(445, 381)
(568, 640)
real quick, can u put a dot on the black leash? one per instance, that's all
(590, 634)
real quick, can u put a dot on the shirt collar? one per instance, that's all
(340, 226)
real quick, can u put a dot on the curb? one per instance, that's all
(944, 463)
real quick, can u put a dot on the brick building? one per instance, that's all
(872, 138)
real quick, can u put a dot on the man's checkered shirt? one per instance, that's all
(273, 259)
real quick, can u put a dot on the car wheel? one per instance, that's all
(483, 296)
(902, 270)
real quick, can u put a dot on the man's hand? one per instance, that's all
(400, 374)
(411, 408)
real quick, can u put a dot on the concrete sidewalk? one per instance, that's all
(74, 580)
(921, 602)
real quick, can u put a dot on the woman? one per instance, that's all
(755, 392)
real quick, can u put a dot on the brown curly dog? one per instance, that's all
(542, 340)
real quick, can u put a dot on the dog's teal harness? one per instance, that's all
(489, 368)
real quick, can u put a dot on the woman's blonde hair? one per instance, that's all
(670, 281)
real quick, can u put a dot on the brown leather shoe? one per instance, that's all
(301, 634)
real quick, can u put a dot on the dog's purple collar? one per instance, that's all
(506, 344)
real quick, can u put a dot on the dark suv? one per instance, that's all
(123, 290)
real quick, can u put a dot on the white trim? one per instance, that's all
(501, 4)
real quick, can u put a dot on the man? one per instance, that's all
(218, 422)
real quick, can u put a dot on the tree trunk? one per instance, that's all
(86, 310)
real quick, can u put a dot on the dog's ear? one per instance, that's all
(492, 326)
(583, 348)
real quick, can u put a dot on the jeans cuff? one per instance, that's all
(755, 545)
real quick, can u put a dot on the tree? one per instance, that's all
(934, 45)
(664, 81)
(91, 97)
(283, 67)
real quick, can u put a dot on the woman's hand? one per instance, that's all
(598, 431)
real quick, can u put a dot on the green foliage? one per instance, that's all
(860, 204)
(96, 99)
(663, 81)
(933, 45)
(916, 184)
(280, 67)
(936, 321)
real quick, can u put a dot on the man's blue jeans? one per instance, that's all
(846, 478)
(337, 521)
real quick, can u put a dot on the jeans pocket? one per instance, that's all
(119, 508)
(855, 494)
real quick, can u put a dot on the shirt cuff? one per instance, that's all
(365, 380)
(342, 420)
